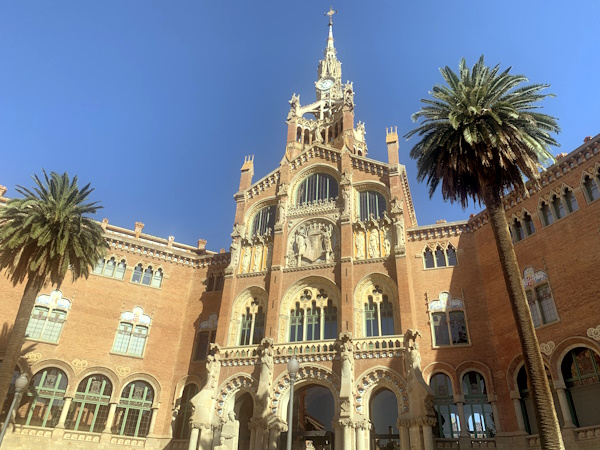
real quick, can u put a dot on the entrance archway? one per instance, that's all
(383, 411)
(314, 408)
(244, 410)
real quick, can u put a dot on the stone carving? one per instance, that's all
(280, 211)
(79, 364)
(294, 107)
(377, 378)
(269, 255)
(396, 206)
(32, 358)
(246, 259)
(314, 242)
(400, 237)
(238, 231)
(258, 253)
(346, 178)
(359, 237)
(213, 367)
(229, 433)
(235, 255)
(387, 241)
(349, 95)
(282, 189)
(547, 348)
(594, 333)
(374, 243)
(122, 372)
(345, 347)
(266, 374)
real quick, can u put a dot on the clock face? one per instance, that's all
(325, 85)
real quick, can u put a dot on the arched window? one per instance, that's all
(539, 297)
(137, 273)
(48, 317)
(90, 406)
(428, 259)
(371, 202)
(330, 321)
(110, 268)
(546, 214)
(316, 187)
(207, 331)
(448, 321)
(581, 372)
(518, 232)
(478, 411)
(590, 187)
(313, 323)
(443, 256)
(264, 221)
(157, 278)
(448, 423)
(253, 326)
(379, 314)
(528, 222)
(43, 403)
(297, 324)
(570, 201)
(182, 425)
(558, 207)
(132, 333)
(134, 411)
(147, 276)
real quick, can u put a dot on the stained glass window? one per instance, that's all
(316, 187)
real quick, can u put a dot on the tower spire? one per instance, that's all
(330, 13)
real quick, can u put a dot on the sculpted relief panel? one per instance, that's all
(313, 242)
(373, 239)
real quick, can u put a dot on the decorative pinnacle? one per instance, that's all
(330, 13)
(248, 163)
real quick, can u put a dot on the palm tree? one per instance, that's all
(481, 137)
(43, 236)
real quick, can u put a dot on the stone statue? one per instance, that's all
(283, 189)
(318, 136)
(396, 206)
(263, 391)
(238, 230)
(374, 243)
(235, 254)
(280, 211)
(246, 259)
(269, 254)
(346, 348)
(346, 194)
(213, 367)
(258, 253)
(387, 240)
(327, 238)
(349, 95)
(294, 107)
(360, 244)
(229, 433)
(346, 178)
(399, 225)
(301, 242)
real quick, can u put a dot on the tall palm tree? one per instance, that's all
(481, 137)
(43, 236)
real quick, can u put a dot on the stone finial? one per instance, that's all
(139, 226)
(248, 163)
(561, 155)
(104, 223)
(440, 221)
(171, 240)
(391, 134)
(202, 244)
(587, 138)
(2, 190)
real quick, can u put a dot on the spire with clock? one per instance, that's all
(329, 121)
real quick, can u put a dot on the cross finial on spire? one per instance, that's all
(330, 13)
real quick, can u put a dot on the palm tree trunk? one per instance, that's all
(545, 413)
(17, 336)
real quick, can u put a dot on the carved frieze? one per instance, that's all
(313, 242)
(373, 238)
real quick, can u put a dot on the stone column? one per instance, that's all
(274, 434)
(206, 436)
(518, 411)
(564, 406)
(338, 436)
(194, 434)
(64, 412)
(416, 442)
(428, 434)
(347, 425)
(404, 434)
(252, 436)
(152, 420)
(460, 405)
(110, 418)
(494, 404)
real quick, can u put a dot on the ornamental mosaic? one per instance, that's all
(531, 277)
(444, 302)
(136, 316)
(54, 300)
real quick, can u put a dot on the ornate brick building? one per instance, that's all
(403, 332)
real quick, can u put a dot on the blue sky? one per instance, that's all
(156, 103)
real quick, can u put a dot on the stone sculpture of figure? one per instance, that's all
(374, 243)
(396, 206)
(283, 189)
(399, 225)
(294, 106)
(301, 241)
(229, 432)
(346, 348)
(280, 211)
(258, 253)
(346, 194)
(327, 238)
(246, 259)
(349, 95)
(318, 136)
(238, 230)
(411, 335)
(346, 178)
(235, 254)
(387, 241)
(360, 244)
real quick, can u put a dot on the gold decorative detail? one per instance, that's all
(547, 348)
(32, 357)
(594, 333)
(79, 364)
(123, 371)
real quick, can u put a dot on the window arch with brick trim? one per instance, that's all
(132, 333)
(539, 297)
(207, 331)
(185, 410)
(134, 411)
(147, 275)
(113, 267)
(478, 410)
(590, 185)
(90, 406)
(44, 400)
(521, 226)
(580, 370)
(48, 317)
(448, 321)
(439, 255)
(448, 423)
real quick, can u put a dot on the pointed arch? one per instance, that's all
(253, 297)
(374, 378)
(385, 287)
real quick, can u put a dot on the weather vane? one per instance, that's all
(330, 13)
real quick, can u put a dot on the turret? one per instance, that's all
(247, 172)
(391, 139)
